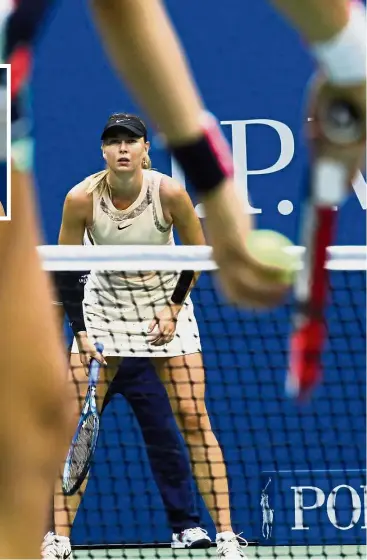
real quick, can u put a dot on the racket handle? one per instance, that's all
(99, 347)
(95, 366)
(305, 359)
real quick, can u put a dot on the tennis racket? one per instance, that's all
(326, 186)
(85, 438)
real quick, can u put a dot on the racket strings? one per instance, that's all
(81, 451)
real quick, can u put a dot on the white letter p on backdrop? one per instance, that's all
(299, 506)
(239, 147)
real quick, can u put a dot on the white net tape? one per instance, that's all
(170, 258)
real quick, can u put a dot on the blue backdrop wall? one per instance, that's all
(252, 69)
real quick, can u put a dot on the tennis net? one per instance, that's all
(297, 478)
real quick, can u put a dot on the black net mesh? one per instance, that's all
(296, 474)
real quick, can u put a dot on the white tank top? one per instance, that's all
(142, 223)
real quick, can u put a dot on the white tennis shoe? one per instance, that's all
(191, 538)
(228, 546)
(56, 547)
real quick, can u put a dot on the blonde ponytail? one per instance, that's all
(98, 182)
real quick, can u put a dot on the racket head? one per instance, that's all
(80, 454)
(84, 442)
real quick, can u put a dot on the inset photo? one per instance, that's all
(5, 143)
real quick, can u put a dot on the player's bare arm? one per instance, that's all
(77, 215)
(336, 33)
(317, 21)
(41, 410)
(77, 211)
(178, 209)
(2, 211)
(165, 88)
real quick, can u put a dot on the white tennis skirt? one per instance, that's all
(118, 312)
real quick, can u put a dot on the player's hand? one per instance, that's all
(163, 327)
(87, 351)
(248, 283)
(322, 93)
(244, 281)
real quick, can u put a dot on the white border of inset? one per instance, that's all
(7, 216)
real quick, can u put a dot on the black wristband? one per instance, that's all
(70, 287)
(182, 287)
(206, 161)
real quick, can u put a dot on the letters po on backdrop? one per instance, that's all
(300, 507)
(286, 154)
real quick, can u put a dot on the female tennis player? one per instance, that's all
(146, 315)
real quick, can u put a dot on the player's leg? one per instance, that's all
(66, 507)
(184, 379)
(137, 381)
(34, 427)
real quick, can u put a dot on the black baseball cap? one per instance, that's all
(131, 123)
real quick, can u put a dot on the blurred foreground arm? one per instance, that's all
(336, 33)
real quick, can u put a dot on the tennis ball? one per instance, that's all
(271, 248)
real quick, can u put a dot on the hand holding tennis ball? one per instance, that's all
(269, 248)
(255, 270)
